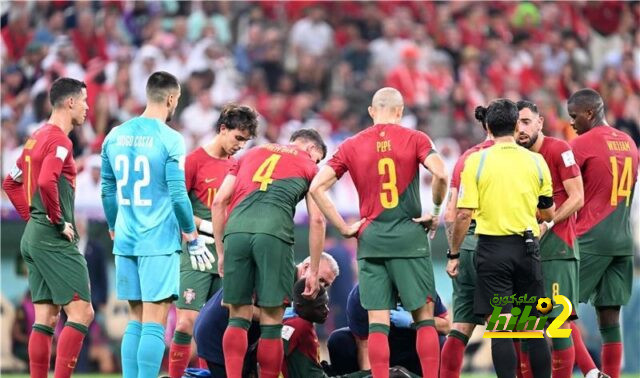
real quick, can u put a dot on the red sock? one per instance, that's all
(516, 345)
(562, 362)
(612, 359)
(179, 356)
(428, 347)
(202, 363)
(379, 354)
(69, 345)
(270, 355)
(40, 350)
(452, 355)
(234, 346)
(583, 358)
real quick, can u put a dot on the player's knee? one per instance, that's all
(464, 328)
(185, 324)
(609, 316)
(80, 312)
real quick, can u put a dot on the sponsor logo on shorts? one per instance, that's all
(519, 324)
(189, 295)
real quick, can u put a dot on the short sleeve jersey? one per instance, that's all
(270, 181)
(502, 184)
(302, 349)
(137, 153)
(608, 160)
(383, 162)
(562, 165)
(49, 146)
(203, 176)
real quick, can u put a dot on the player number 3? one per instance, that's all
(389, 195)
(140, 164)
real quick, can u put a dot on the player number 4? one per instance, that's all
(265, 170)
(140, 164)
(621, 185)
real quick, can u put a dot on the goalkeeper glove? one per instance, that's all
(201, 258)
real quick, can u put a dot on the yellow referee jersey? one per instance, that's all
(502, 184)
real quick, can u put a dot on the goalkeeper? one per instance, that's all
(146, 206)
(205, 169)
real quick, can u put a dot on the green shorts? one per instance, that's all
(464, 286)
(605, 280)
(261, 264)
(385, 280)
(59, 276)
(561, 278)
(196, 287)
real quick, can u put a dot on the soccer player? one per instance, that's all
(205, 170)
(348, 346)
(558, 244)
(41, 187)
(463, 269)
(146, 206)
(505, 185)
(393, 248)
(608, 160)
(260, 194)
(214, 317)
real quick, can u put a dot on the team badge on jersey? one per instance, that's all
(568, 158)
(189, 295)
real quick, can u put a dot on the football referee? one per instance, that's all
(505, 184)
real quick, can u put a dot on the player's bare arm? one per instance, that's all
(317, 229)
(323, 181)
(575, 201)
(450, 214)
(219, 216)
(460, 227)
(435, 165)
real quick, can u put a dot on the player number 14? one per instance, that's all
(621, 185)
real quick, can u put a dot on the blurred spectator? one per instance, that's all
(88, 42)
(88, 184)
(386, 51)
(409, 79)
(312, 34)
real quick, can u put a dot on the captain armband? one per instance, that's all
(545, 202)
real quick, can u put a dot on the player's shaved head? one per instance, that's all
(587, 99)
(160, 85)
(387, 97)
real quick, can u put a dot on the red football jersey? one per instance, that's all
(270, 181)
(457, 169)
(562, 165)
(46, 159)
(203, 176)
(383, 162)
(608, 160)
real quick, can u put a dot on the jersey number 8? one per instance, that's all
(141, 164)
(389, 195)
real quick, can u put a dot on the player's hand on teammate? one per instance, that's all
(311, 286)
(452, 267)
(430, 223)
(201, 258)
(352, 230)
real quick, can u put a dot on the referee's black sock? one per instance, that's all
(540, 358)
(504, 357)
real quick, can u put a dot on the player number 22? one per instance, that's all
(141, 164)
(621, 186)
(265, 170)
(389, 195)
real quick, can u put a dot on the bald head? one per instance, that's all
(387, 97)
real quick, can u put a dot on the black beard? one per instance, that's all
(532, 141)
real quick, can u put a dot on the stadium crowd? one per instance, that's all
(312, 64)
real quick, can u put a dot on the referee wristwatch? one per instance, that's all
(452, 256)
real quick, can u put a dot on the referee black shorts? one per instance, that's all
(504, 268)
